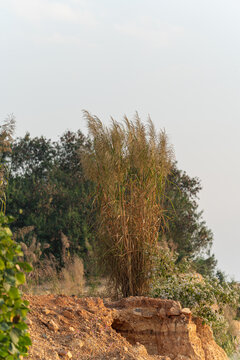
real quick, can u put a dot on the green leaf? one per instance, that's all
(26, 302)
(14, 335)
(13, 349)
(4, 326)
(14, 293)
(20, 278)
(2, 265)
(10, 280)
(25, 266)
(4, 338)
(24, 312)
(10, 357)
(25, 340)
(3, 353)
(8, 231)
(21, 326)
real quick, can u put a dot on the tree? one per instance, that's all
(46, 182)
(187, 232)
(129, 166)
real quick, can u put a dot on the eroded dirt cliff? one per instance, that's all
(135, 328)
(164, 328)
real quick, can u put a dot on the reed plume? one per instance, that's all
(129, 163)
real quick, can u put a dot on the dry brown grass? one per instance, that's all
(46, 277)
(129, 164)
(72, 277)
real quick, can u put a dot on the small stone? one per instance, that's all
(125, 348)
(162, 313)
(68, 314)
(52, 325)
(186, 311)
(174, 311)
(80, 343)
(71, 328)
(137, 312)
(46, 311)
(65, 353)
(140, 349)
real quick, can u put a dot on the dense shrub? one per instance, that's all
(14, 339)
(207, 297)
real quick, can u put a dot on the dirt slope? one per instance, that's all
(63, 327)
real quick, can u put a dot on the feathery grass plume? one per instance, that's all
(129, 163)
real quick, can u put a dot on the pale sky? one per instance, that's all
(178, 61)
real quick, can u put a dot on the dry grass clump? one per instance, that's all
(129, 164)
(46, 276)
(46, 279)
(72, 277)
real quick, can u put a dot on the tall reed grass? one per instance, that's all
(129, 163)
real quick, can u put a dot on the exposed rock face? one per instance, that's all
(165, 329)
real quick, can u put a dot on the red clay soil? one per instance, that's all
(74, 328)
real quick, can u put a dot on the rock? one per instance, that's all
(46, 311)
(71, 328)
(140, 349)
(80, 343)
(52, 326)
(77, 344)
(67, 314)
(162, 313)
(65, 353)
(137, 312)
(186, 311)
(174, 311)
(182, 357)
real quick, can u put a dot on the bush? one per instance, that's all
(14, 339)
(207, 297)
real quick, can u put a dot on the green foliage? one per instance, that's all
(47, 183)
(196, 293)
(206, 296)
(187, 231)
(14, 338)
(48, 190)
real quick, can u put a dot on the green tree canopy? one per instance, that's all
(187, 232)
(46, 183)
